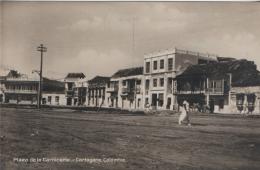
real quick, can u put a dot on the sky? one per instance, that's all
(99, 38)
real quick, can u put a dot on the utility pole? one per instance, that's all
(42, 49)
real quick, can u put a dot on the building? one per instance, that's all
(112, 93)
(53, 92)
(20, 88)
(125, 89)
(2, 79)
(23, 89)
(97, 91)
(75, 89)
(245, 95)
(224, 86)
(159, 70)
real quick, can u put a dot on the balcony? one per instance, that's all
(69, 93)
(216, 91)
(126, 90)
(76, 93)
(190, 92)
(138, 90)
(20, 91)
(112, 89)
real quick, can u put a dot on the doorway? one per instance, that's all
(154, 100)
(169, 101)
(69, 101)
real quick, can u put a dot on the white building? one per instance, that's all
(53, 92)
(19, 88)
(159, 70)
(125, 89)
(97, 91)
(75, 89)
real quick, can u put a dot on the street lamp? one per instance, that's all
(42, 49)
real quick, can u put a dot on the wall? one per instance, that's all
(62, 98)
(245, 90)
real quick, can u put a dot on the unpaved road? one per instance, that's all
(131, 141)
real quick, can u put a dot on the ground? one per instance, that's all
(132, 141)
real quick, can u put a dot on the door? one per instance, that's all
(69, 101)
(154, 100)
(169, 101)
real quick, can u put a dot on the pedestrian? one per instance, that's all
(184, 116)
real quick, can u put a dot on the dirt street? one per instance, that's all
(66, 139)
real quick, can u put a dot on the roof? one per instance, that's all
(128, 72)
(99, 79)
(75, 75)
(253, 80)
(13, 73)
(221, 59)
(16, 76)
(53, 86)
(244, 72)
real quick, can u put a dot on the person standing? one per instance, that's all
(184, 113)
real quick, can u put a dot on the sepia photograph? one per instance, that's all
(129, 85)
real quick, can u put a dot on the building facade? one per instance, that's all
(159, 70)
(223, 86)
(19, 88)
(97, 91)
(53, 92)
(75, 89)
(125, 89)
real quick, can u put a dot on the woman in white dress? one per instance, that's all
(184, 113)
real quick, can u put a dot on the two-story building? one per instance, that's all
(125, 89)
(20, 88)
(3, 74)
(112, 93)
(159, 70)
(224, 86)
(97, 91)
(75, 89)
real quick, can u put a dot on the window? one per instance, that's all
(170, 63)
(99, 92)
(49, 99)
(161, 99)
(70, 86)
(154, 82)
(138, 82)
(147, 84)
(212, 84)
(57, 99)
(218, 84)
(104, 91)
(161, 64)
(146, 101)
(161, 82)
(147, 67)
(124, 82)
(155, 65)
(175, 86)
